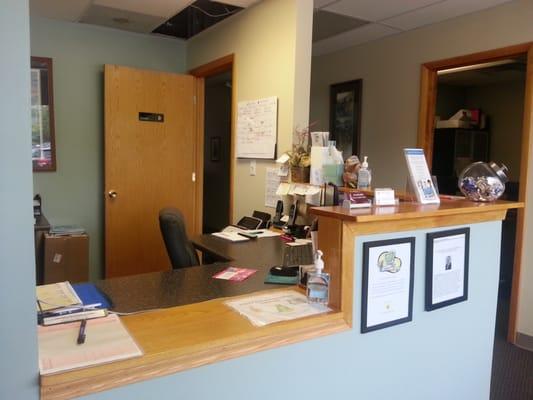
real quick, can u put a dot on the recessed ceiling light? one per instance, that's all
(121, 20)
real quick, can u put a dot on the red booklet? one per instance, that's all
(234, 274)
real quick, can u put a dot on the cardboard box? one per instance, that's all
(66, 258)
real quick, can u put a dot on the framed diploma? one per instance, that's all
(388, 275)
(447, 268)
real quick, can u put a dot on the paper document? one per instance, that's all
(106, 340)
(282, 305)
(231, 236)
(56, 295)
(271, 186)
(230, 233)
(257, 128)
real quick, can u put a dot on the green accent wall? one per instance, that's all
(18, 331)
(74, 193)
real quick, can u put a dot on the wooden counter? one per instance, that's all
(180, 338)
(338, 228)
(189, 336)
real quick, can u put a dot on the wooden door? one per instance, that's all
(149, 164)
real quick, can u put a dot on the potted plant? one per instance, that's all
(299, 156)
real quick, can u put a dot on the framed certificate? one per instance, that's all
(388, 275)
(447, 268)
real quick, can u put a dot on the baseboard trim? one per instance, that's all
(524, 341)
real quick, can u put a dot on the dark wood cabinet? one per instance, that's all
(453, 150)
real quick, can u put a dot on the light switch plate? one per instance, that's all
(252, 167)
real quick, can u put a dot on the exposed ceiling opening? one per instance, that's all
(196, 18)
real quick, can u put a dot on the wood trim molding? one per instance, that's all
(199, 154)
(480, 57)
(527, 141)
(428, 98)
(428, 101)
(203, 71)
(214, 67)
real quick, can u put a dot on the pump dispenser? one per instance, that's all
(364, 176)
(318, 282)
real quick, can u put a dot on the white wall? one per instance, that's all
(390, 69)
(272, 47)
(504, 104)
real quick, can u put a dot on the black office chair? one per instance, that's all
(179, 248)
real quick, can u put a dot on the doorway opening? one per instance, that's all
(497, 83)
(493, 95)
(426, 137)
(217, 151)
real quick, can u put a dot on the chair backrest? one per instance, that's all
(179, 248)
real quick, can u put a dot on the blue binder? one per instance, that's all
(90, 294)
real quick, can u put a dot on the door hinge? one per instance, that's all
(194, 176)
(194, 100)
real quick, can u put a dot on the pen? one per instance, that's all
(81, 333)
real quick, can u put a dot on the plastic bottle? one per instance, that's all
(364, 177)
(318, 283)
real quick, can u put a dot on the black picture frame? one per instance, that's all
(345, 116)
(377, 245)
(463, 255)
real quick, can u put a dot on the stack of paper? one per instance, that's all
(282, 305)
(106, 340)
(64, 230)
(59, 303)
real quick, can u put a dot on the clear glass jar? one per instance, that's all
(482, 181)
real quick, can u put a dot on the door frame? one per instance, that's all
(202, 72)
(426, 125)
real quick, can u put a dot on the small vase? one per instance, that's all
(300, 174)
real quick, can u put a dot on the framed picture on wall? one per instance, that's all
(43, 152)
(447, 267)
(345, 116)
(388, 276)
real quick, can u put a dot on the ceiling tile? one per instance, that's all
(376, 10)
(121, 19)
(65, 10)
(327, 24)
(440, 12)
(322, 3)
(366, 33)
(156, 8)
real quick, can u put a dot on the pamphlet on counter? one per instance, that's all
(420, 177)
(283, 305)
(235, 274)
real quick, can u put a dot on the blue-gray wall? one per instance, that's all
(18, 341)
(440, 355)
(74, 193)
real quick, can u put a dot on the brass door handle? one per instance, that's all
(112, 194)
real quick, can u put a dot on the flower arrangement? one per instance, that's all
(299, 156)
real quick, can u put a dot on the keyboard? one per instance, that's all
(298, 255)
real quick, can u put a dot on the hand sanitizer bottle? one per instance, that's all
(364, 176)
(318, 283)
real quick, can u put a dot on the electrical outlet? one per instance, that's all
(253, 167)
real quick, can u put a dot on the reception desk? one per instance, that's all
(205, 350)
